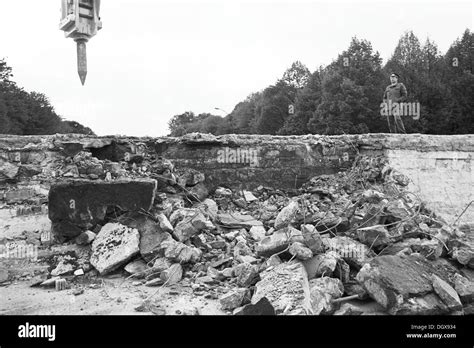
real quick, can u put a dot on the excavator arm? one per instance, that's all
(80, 21)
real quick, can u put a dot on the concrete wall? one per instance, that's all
(440, 167)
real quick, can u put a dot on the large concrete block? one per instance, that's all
(84, 203)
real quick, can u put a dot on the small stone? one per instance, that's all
(64, 266)
(446, 293)
(77, 292)
(161, 264)
(3, 275)
(247, 259)
(164, 223)
(274, 260)
(79, 272)
(135, 267)
(85, 238)
(249, 197)
(228, 272)
(234, 298)
(300, 251)
(172, 275)
(49, 283)
(257, 233)
(223, 192)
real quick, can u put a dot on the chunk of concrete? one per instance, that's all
(312, 238)
(465, 288)
(84, 203)
(179, 252)
(447, 294)
(278, 241)
(323, 291)
(261, 307)
(402, 284)
(115, 245)
(238, 220)
(322, 264)
(234, 298)
(189, 222)
(300, 251)
(286, 215)
(286, 287)
(151, 234)
(374, 236)
(85, 238)
(246, 274)
(354, 253)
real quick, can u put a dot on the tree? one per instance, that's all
(23, 112)
(179, 123)
(297, 75)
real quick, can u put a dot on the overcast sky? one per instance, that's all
(155, 59)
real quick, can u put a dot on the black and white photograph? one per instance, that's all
(190, 171)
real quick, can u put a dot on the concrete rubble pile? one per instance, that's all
(351, 243)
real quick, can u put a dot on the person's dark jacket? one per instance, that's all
(396, 93)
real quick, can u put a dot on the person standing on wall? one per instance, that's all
(396, 92)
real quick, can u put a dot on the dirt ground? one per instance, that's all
(102, 297)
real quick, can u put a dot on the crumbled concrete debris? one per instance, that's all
(465, 288)
(115, 244)
(323, 291)
(447, 294)
(179, 252)
(188, 222)
(234, 298)
(286, 286)
(286, 215)
(66, 265)
(235, 240)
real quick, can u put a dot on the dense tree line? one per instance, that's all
(28, 113)
(345, 96)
